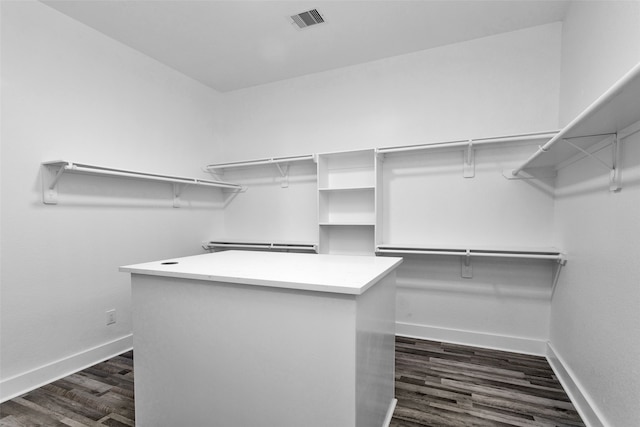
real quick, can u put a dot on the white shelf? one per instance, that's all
(52, 172)
(347, 224)
(261, 245)
(616, 112)
(346, 189)
(259, 162)
(464, 143)
(281, 164)
(547, 253)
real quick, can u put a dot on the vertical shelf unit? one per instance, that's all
(348, 203)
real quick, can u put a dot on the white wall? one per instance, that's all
(600, 42)
(492, 86)
(499, 85)
(70, 93)
(594, 313)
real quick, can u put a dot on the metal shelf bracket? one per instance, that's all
(466, 267)
(51, 174)
(469, 161)
(615, 176)
(284, 173)
(561, 263)
(177, 191)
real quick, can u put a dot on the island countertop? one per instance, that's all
(342, 274)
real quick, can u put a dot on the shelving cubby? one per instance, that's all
(347, 202)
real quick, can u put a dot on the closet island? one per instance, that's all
(263, 339)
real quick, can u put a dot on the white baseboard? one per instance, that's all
(389, 416)
(19, 384)
(477, 339)
(579, 398)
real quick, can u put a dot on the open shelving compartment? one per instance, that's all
(353, 205)
(347, 202)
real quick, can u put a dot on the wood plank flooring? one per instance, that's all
(437, 384)
(101, 395)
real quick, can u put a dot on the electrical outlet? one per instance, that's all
(111, 317)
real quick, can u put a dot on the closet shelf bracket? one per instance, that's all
(177, 191)
(284, 173)
(615, 176)
(561, 263)
(466, 267)
(469, 161)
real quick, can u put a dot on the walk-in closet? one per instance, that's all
(345, 213)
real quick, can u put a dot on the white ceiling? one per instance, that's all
(229, 45)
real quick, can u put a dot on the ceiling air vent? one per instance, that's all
(308, 18)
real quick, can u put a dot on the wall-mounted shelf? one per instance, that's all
(52, 172)
(259, 162)
(475, 251)
(467, 253)
(281, 163)
(347, 224)
(612, 117)
(464, 143)
(219, 245)
(469, 145)
(346, 189)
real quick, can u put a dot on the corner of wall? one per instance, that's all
(572, 386)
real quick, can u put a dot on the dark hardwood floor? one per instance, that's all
(437, 384)
(101, 395)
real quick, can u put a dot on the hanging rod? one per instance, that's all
(599, 103)
(528, 254)
(467, 142)
(258, 162)
(53, 171)
(102, 170)
(231, 244)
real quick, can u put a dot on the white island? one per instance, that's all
(264, 339)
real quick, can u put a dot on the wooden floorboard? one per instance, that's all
(101, 395)
(440, 384)
(437, 384)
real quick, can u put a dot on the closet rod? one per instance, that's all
(556, 257)
(465, 143)
(258, 162)
(146, 176)
(597, 104)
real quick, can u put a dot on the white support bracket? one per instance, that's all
(561, 263)
(615, 176)
(51, 174)
(465, 266)
(469, 161)
(284, 173)
(615, 168)
(177, 191)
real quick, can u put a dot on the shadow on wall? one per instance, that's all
(492, 278)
